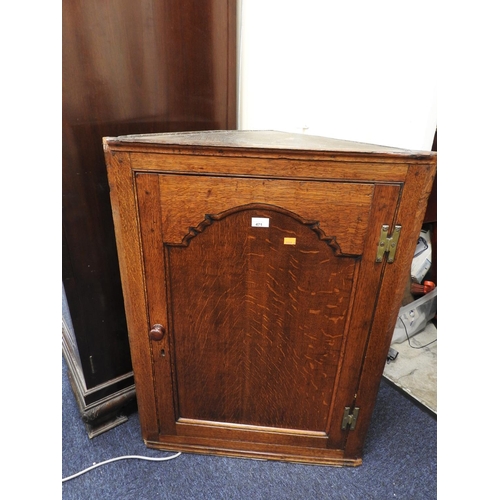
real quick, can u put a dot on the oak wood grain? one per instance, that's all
(258, 324)
(149, 212)
(410, 214)
(128, 240)
(343, 209)
(255, 450)
(364, 307)
(270, 163)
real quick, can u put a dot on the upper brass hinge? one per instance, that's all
(350, 418)
(388, 243)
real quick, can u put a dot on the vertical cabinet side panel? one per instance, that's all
(148, 195)
(122, 193)
(383, 209)
(410, 214)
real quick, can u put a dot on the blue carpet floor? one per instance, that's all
(399, 462)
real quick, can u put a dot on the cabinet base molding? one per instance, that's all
(239, 449)
(108, 411)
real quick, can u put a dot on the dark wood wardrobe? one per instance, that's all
(129, 67)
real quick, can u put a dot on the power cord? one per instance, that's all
(152, 459)
(408, 338)
(171, 457)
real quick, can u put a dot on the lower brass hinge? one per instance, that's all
(388, 243)
(350, 418)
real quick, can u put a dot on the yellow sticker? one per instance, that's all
(290, 241)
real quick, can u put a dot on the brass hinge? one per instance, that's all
(388, 243)
(350, 418)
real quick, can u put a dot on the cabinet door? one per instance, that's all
(266, 290)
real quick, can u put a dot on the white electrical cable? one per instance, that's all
(152, 459)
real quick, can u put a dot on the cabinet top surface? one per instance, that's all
(262, 140)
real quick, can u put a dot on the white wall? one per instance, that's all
(362, 71)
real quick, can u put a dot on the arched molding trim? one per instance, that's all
(313, 225)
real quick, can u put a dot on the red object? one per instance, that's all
(422, 289)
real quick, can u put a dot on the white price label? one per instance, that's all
(260, 222)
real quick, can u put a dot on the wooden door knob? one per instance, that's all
(157, 332)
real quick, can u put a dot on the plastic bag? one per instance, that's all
(422, 259)
(413, 317)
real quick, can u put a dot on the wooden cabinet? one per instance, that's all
(259, 295)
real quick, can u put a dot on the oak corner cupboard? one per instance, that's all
(262, 274)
